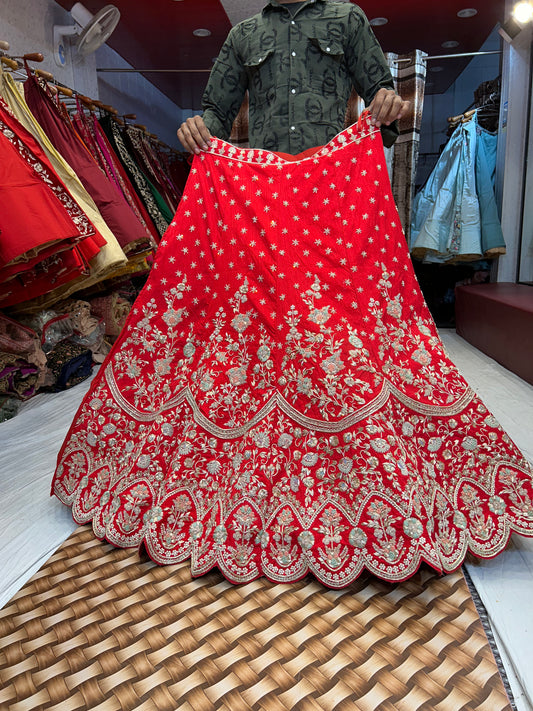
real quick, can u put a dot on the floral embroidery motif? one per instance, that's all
(280, 401)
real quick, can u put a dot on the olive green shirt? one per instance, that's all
(299, 67)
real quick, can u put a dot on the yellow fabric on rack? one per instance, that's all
(111, 257)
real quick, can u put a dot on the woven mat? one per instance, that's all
(96, 628)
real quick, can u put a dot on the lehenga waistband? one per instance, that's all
(359, 131)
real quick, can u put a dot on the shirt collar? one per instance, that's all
(275, 4)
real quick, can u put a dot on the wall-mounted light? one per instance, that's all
(522, 14)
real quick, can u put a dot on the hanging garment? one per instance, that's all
(99, 147)
(123, 181)
(117, 214)
(37, 212)
(279, 401)
(455, 216)
(141, 150)
(446, 220)
(110, 257)
(45, 238)
(492, 240)
(136, 176)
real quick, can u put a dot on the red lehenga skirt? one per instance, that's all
(279, 401)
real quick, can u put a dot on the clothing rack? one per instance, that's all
(451, 56)
(490, 107)
(207, 71)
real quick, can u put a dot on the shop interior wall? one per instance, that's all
(28, 26)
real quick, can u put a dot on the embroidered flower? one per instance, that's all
(304, 385)
(345, 465)
(421, 356)
(196, 530)
(306, 540)
(332, 365)
(459, 520)
(408, 429)
(214, 466)
(261, 439)
(207, 383)
(167, 429)
(285, 440)
(263, 353)
(153, 515)
(162, 366)
(220, 534)
(434, 444)
(355, 341)
(133, 370)
(424, 330)
(189, 350)
(262, 539)
(172, 317)
(497, 505)
(333, 560)
(358, 538)
(394, 308)
(245, 515)
(380, 445)
(310, 459)
(469, 443)
(413, 528)
(237, 376)
(319, 316)
(241, 322)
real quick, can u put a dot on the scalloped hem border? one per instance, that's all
(361, 568)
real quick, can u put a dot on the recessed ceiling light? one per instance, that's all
(201, 32)
(436, 69)
(378, 21)
(467, 12)
(450, 44)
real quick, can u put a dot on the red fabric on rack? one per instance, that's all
(116, 213)
(279, 401)
(37, 211)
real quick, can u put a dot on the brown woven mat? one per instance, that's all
(98, 629)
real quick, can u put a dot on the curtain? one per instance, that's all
(409, 74)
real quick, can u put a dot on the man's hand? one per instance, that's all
(387, 107)
(194, 135)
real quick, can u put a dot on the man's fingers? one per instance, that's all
(387, 106)
(194, 134)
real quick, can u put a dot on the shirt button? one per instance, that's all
(328, 49)
(293, 22)
(293, 54)
(293, 128)
(293, 91)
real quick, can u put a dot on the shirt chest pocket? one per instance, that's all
(326, 64)
(260, 69)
